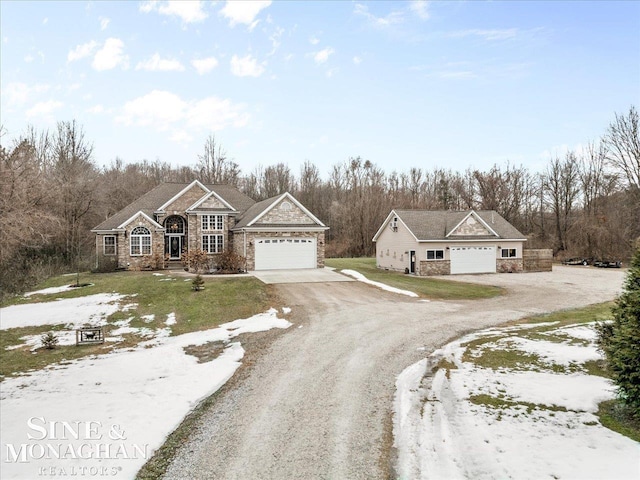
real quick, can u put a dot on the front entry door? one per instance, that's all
(412, 256)
(175, 247)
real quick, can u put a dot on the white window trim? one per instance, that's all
(104, 245)
(515, 253)
(434, 259)
(217, 219)
(214, 243)
(138, 238)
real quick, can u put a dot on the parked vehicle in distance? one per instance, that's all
(576, 261)
(607, 264)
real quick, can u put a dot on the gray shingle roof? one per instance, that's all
(155, 198)
(255, 210)
(435, 225)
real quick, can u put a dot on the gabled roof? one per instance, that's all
(260, 209)
(182, 192)
(165, 193)
(429, 225)
(136, 215)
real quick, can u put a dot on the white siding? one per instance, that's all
(391, 247)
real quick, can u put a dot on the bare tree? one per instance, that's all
(623, 143)
(562, 190)
(213, 165)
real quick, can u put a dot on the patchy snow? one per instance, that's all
(50, 290)
(135, 397)
(171, 319)
(65, 337)
(148, 318)
(72, 312)
(158, 274)
(440, 433)
(361, 278)
(581, 332)
(286, 310)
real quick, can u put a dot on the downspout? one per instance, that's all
(244, 232)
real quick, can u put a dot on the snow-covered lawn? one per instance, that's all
(120, 406)
(525, 422)
(361, 278)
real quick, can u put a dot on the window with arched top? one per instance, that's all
(174, 225)
(140, 241)
(285, 206)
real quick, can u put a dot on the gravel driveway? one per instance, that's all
(317, 401)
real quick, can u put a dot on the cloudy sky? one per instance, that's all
(448, 84)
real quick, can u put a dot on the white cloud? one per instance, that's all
(420, 8)
(357, 60)
(275, 40)
(495, 34)
(393, 18)
(204, 65)
(313, 40)
(187, 10)
(323, 55)
(96, 109)
(165, 111)
(104, 23)
(157, 64)
(28, 58)
(44, 110)
(246, 66)
(45, 20)
(110, 55)
(82, 51)
(17, 93)
(244, 12)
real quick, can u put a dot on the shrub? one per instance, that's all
(49, 340)
(620, 339)
(197, 283)
(155, 261)
(196, 260)
(230, 262)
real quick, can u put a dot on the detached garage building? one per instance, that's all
(425, 242)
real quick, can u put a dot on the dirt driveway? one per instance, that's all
(317, 402)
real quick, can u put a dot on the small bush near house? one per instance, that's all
(197, 283)
(230, 262)
(49, 340)
(620, 339)
(198, 261)
(156, 261)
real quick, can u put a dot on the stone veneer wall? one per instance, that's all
(125, 260)
(434, 267)
(509, 265)
(538, 260)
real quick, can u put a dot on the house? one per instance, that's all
(173, 218)
(441, 243)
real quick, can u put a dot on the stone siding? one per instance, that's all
(471, 227)
(138, 262)
(434, 267)
(281, 215)
(509, 265)
(188, 198)
(538, 260)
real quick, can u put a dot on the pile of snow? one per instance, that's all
(73, 312)
(361, 278)
(134, 398)
(50, 290)
(546, 427)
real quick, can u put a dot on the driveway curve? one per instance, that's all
(317, 401)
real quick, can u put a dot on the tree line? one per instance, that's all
(583, 203)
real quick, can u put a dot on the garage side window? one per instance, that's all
(508, 252)
(213, 243)
(109, 245)
(140, 241)
(435, 254)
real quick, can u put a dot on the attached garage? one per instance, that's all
(278, 253)
(473, 259)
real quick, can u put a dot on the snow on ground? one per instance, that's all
(50, 290)
(361, 278)
(73, 312)
(131, 399)
(522, 424)
(171, 319)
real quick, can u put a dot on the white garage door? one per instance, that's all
(473, 259)
(282, 253)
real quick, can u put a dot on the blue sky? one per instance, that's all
(403, 84)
